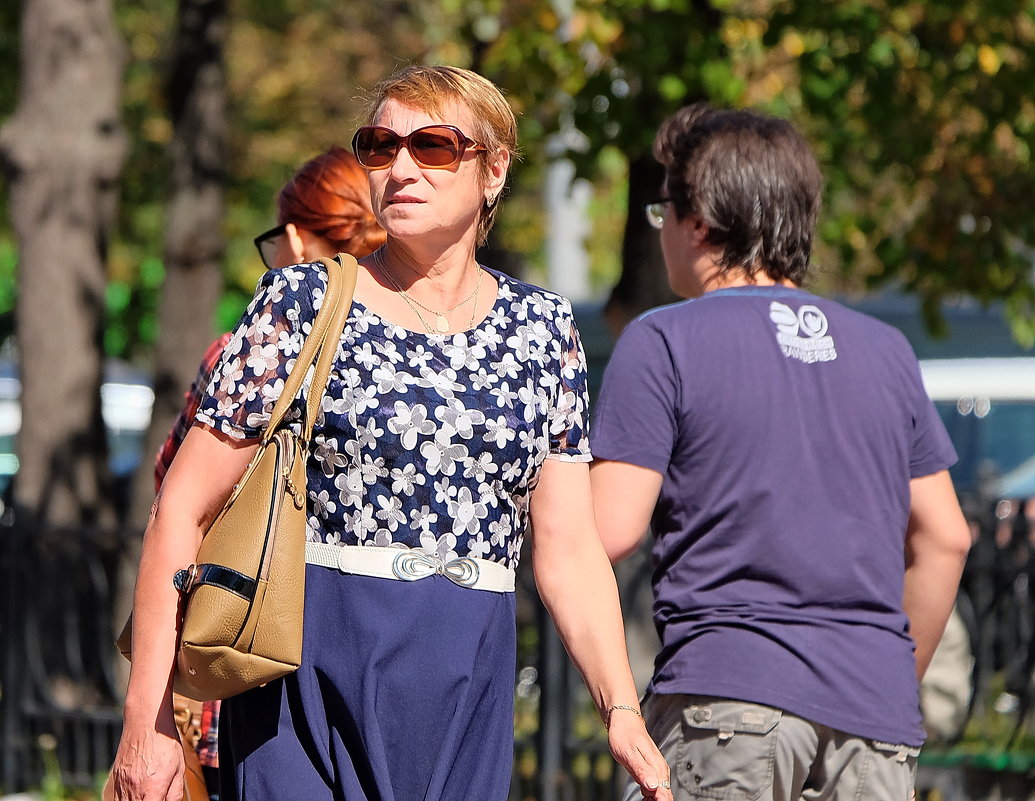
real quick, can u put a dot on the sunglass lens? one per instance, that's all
(435, 147)
(376, 147)
(268, 251)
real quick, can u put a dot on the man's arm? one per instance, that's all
(624, 496)
(937, 543)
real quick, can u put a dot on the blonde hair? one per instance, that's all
(432, 89)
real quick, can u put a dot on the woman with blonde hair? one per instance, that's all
(454, 420)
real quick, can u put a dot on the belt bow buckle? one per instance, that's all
(414, 565)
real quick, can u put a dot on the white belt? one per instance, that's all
(411, 564)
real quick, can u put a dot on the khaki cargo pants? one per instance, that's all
(735, 751)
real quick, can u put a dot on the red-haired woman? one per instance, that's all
(323, 210)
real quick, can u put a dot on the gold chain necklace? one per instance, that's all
(441, 321)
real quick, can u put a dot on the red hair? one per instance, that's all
(330, 196)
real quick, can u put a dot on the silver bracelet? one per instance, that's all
(626, 707)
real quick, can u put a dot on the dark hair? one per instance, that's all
(330, 196)
(752, 179)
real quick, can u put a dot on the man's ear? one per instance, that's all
(698, 231)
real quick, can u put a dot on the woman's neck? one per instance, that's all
(440, 276)
(450, 295)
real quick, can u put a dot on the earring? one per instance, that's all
(491, 201)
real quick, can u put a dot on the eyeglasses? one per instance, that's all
(434, 146)
(266, 244)
(656, 211)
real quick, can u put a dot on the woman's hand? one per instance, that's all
(148, 767)
(633, 748)
(578, 587)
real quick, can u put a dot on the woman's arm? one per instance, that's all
(578, 587)
(149, 762)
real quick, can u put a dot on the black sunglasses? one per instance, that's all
(434, 146)
(266, 244)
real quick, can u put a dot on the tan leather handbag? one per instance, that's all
(242, 620)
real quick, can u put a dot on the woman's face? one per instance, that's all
(411, 201)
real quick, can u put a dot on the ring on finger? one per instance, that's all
(666, 784)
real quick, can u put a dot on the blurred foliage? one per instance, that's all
(993, 740)
(920, 112)
(926, 126)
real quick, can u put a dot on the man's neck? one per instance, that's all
(739, 278)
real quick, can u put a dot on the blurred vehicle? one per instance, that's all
(988, 407)
(126, 399)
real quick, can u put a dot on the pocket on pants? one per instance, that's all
(728, 749)
(893, 776)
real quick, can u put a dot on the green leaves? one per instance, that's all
(921, 113)
(720, 84)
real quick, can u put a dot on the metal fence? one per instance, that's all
(60, 700)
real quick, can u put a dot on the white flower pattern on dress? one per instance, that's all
(424, 441)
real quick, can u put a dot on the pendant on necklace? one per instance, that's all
(441, 323)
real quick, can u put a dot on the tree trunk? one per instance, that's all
(194, 242)
(63, 150)
(644, 282)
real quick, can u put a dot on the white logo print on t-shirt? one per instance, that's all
(802, 335)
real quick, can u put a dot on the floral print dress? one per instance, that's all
(425, 441)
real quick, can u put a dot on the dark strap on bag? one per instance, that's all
(321, 345)
(217, 576)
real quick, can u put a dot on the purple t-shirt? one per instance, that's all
(787, 428)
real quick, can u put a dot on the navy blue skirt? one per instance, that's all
(405, 693)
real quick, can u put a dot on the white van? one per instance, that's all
(988, 407)
(126, 401)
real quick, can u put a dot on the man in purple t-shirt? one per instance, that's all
(808, 542)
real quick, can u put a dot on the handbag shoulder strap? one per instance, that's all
(326, 328)
(347, 268)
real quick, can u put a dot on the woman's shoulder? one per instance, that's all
(539, 301)
(295, 287)
(297, 278)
